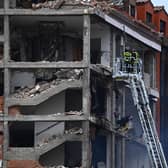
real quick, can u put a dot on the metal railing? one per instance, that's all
(122, 67)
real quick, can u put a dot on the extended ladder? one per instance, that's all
(141, 101)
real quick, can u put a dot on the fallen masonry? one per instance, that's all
(59, 77)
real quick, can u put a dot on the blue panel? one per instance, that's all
(98, 150)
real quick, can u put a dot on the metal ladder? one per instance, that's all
(141, 101)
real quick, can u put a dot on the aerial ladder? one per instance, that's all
(141, 101)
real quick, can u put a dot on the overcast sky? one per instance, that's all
(161, 2)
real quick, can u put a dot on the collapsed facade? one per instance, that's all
(58, 98)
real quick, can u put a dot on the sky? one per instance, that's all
(161, 2)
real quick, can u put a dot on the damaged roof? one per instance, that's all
(106, 10)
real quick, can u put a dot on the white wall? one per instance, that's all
(103, 32)
(54, 105)
(22, 79)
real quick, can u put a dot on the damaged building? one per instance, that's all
(58, 101)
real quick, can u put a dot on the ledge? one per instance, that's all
(46, 11)
(107, 125)
(54, 117)
(20, 154)
(41, 64)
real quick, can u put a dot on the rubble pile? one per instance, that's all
(59, 77)
(75, 131)
(104, 5)
(72, 131)
(47, 140)
(49, 4)
(78, 113)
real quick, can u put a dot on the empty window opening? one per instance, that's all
(73, 100)
(99, 151)
(2, 4)
(21, 134)
(1, 52)
(54, 157)
(98, 97)
(148, 17)
(21, 4)
(132, 10)
(1, 25)
(49, 41)
(150, 69)
(73, 157)
(162, 26)
(96, 51)
(1, 83)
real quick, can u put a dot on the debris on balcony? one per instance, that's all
(49, 4)
(49, 139)
(58, 77)
(76, 131)
(79, 113)
(73, 131)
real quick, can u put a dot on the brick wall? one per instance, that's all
(23, 164)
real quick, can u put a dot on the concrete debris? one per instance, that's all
(49, 139)
(76, 131)
(79, 113)
(69, 74)
(49, 4)
(73, 131)
(59, 77)
(60, 166)
(104, 5)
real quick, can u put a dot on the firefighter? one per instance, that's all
(125, 123)
(134, 61)
(127, 59)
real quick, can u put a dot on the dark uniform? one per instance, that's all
(123, 122)
(135, 61)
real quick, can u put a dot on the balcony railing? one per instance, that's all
(126, 68)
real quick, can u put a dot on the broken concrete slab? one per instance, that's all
(54, 142)
(37, 98)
